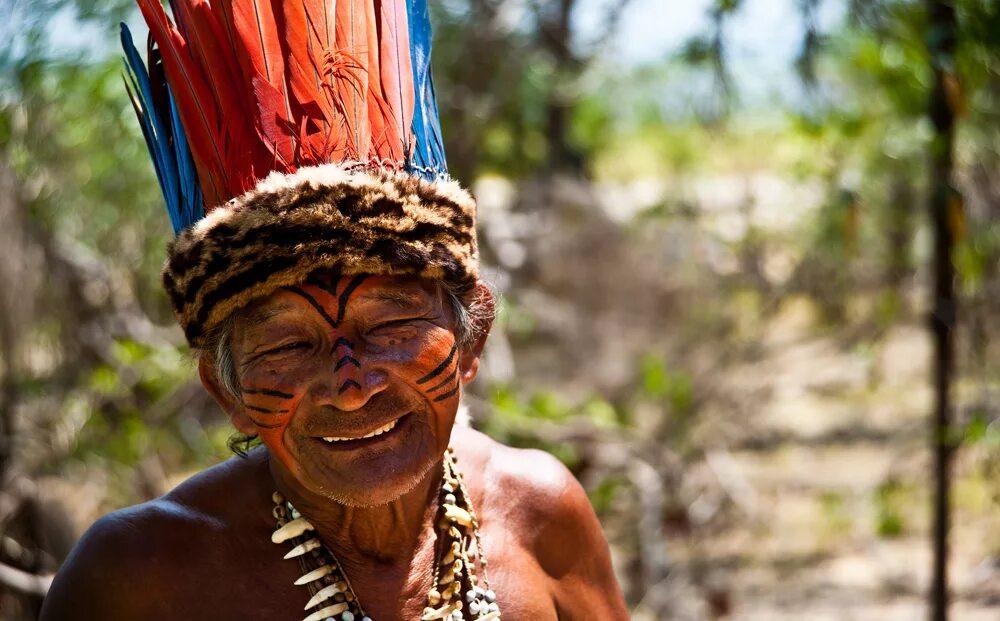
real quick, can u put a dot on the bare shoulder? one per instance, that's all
(534, 490)
(548, 510)
(532, 484)
(114, 569)
(98, 579)
(536, 479)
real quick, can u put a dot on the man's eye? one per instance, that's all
(395, 329)
(395, 323)
(286, 347)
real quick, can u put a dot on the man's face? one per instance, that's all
(325, 365)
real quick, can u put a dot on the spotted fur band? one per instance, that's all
(369, 221)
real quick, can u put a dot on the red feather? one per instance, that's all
(216, 57)
(349, 66)
(305, 41)
(396, 77)
(266, 85)
(263, 60)
(250, 156)
(194, 99)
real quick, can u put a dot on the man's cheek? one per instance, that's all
(269, 405)
(436, 372)
(271, 428)
(273, 439)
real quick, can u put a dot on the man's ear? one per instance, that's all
(229, 403)
(482, 323)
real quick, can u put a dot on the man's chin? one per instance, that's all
(373, 491)
(370, 476)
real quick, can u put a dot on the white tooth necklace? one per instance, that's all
(458, 549)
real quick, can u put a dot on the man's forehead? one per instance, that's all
(404, 291)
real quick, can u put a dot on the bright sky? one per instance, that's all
(763, 36)
(766, 31)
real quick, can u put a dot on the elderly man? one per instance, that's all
(326, 271)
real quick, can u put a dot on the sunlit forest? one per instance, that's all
(725, 302)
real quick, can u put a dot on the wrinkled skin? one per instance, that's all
(341, 358)
(393, 358)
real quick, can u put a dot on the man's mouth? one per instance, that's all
(375, 437)
(384, 429)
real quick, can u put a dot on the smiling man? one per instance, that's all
(326, 272)
(352, 383)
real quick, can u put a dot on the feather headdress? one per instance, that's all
(294, 136)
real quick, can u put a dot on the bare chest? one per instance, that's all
(255, 582)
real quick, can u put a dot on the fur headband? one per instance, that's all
(350, 221)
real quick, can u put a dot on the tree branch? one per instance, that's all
(22, 581)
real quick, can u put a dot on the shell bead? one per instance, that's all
(457, 514)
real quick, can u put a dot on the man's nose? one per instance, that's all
(352, 384)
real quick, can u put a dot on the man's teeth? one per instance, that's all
(377, 432)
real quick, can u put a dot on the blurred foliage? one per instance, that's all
(650, 269)
(890, 501)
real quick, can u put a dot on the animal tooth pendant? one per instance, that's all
(291, 530)
(314, 575)
(323, 594)
(302, 548)
(329, 611)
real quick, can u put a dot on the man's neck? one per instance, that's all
(380, 535)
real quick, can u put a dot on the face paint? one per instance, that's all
(344, 358)
(259, 396)
(449, 380)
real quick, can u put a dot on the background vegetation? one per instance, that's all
(716, 290)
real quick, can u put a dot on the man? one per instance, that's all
(337, 312)
(204, 550)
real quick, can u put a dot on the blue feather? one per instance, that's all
(192, 208)
(172, 159)
(428, 158)
(132, 88)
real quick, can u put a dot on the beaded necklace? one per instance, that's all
(458, 548)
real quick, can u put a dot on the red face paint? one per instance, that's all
(342, 358)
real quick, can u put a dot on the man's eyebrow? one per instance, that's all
(403, 300)
(258, 315)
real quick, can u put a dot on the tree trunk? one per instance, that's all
(946, 216)
(556, 34)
